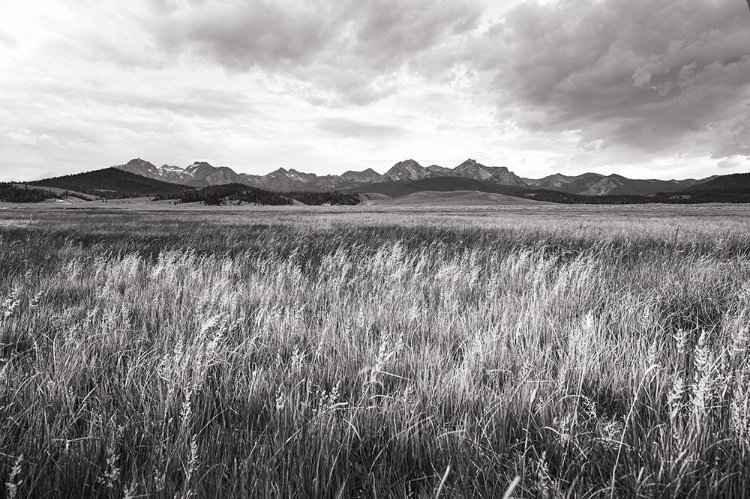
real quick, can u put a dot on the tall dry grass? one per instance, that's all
(371, 361)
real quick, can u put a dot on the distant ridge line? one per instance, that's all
(201, 174)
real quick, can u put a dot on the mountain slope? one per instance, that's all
(198, 174)
(408, 170)
(363, 177)
(733, 182)
(283, 180)
(203, 174)
(595, 184)
(165, 173)
(112, 183)
(497, 174)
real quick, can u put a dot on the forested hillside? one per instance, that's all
(112, 183)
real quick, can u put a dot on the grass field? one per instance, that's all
(508, 352)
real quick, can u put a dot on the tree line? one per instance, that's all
(10, 193)
(216, 195)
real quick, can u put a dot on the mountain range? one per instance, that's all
(202, 174)
(407, 181)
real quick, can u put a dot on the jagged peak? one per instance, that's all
(473, 163)
(139, 162)
(468, 162)
(407, 162)
(358, 174)
(297, 172)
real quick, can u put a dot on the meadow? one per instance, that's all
(520, 352)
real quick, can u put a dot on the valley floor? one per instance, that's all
(156, 350)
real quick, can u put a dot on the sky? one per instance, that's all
(643, 88)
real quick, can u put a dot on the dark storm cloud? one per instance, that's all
(244, 35)
(635, 73)
(588, 83)
(629, 72)
(344, 127)
(345, 48)
(390, 33)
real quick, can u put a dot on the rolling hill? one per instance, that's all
(112, 183)
(455, 198)
(438, 184)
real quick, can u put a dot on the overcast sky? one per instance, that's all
(645, 88)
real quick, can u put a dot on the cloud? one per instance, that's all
(573, 85)
(651, 76)
(203, 102)
(343, 127)
(8, 40)
(732, 163)
(343, 52)
(183, 101)
(243, 35)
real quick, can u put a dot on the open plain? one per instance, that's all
(152, 350)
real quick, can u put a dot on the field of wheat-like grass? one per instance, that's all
(176, 357)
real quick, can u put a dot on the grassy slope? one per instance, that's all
(454, 198)
(439, 184)
(58, 192)
(161, 356)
